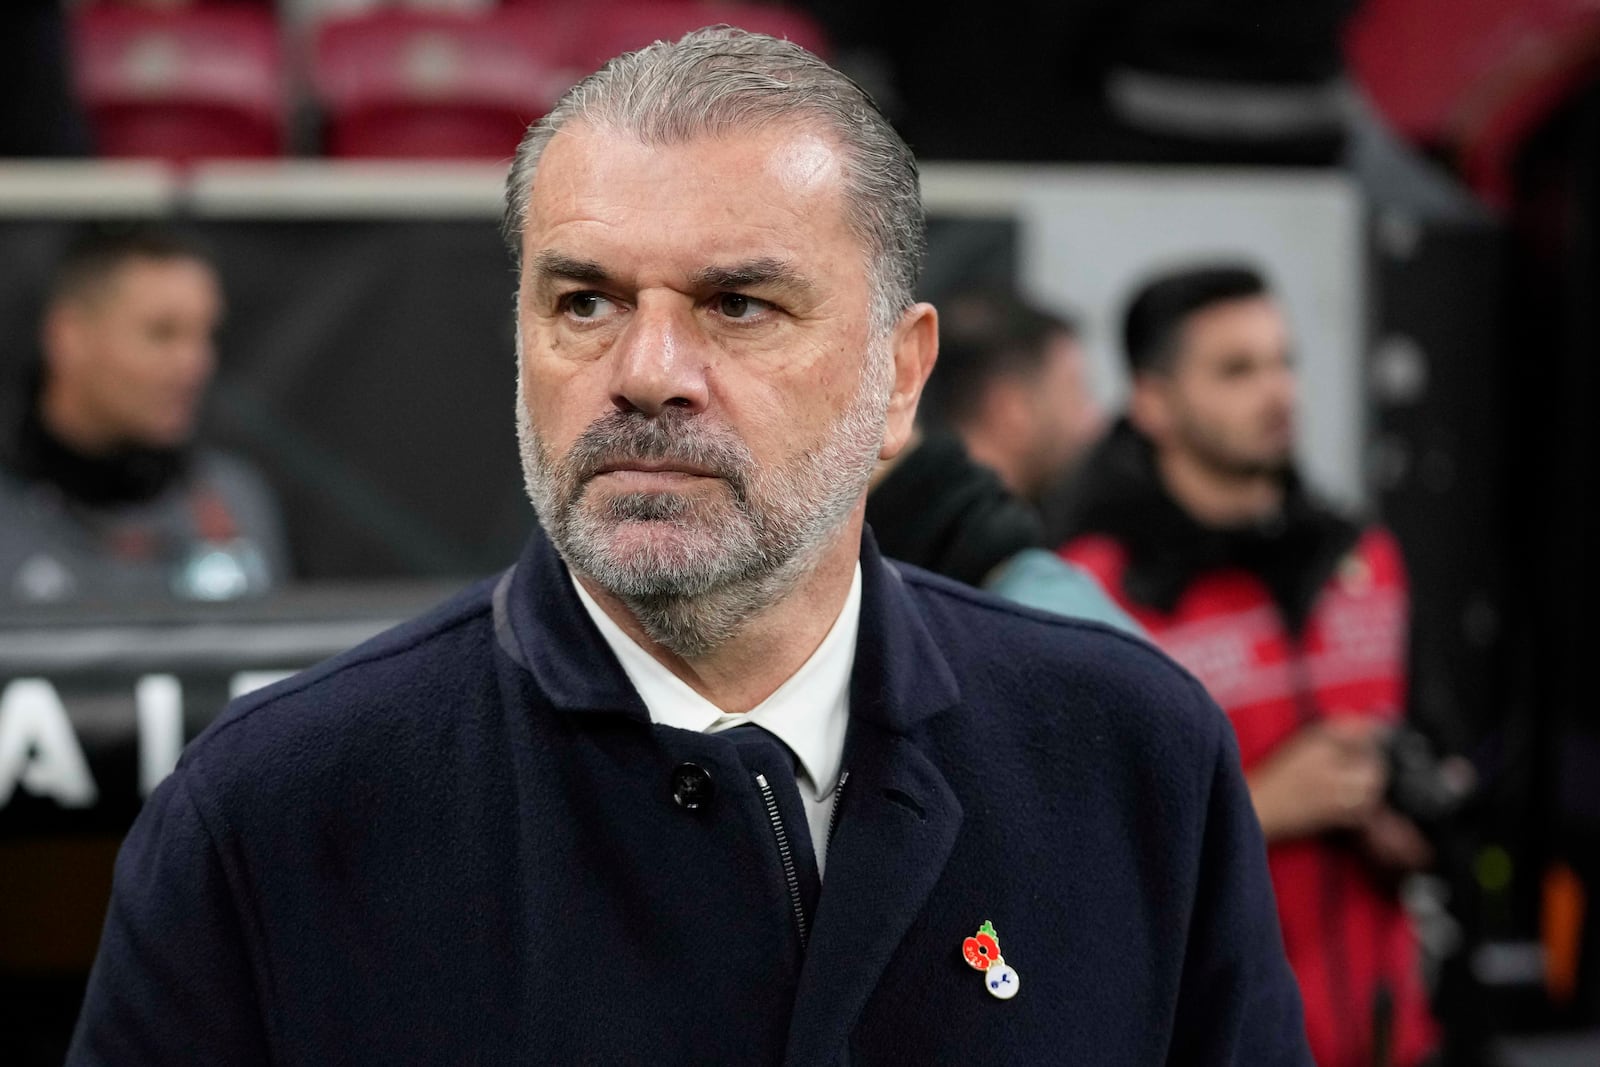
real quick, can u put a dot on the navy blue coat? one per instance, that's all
(458, 843)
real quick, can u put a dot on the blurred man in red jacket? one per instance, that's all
(1191, 515)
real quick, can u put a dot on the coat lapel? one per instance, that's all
(897, 820)
(894, 836)
(542, 625)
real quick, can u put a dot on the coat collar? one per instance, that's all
(900, 678)
(541, 624)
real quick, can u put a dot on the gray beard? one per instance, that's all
(717, 563)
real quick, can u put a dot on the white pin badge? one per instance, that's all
(982, 953)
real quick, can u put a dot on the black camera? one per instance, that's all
(1424, 786)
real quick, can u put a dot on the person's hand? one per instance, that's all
(1329, 775)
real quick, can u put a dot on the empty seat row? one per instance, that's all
(221, 81)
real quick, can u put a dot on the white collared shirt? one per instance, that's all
(809, 712)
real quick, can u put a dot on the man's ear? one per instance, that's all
(1149, 406)
(914, 346)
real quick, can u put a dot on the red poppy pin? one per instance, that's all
(982, 953)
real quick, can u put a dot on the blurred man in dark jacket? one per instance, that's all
(1008, 411)
(103, 492)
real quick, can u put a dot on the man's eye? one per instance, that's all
(587, 305)
(738, 306)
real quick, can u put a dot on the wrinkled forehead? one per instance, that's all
(777, 190)
(792, 157)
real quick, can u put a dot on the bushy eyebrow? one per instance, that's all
(764, 271)
(550, 265)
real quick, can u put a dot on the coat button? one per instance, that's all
(692, 787)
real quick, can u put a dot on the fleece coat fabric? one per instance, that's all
(463, 842)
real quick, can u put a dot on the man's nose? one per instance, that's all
(658, 361)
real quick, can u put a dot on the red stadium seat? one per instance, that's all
(419, 84)
(621, 26)
(1473, 81)
(183, 83)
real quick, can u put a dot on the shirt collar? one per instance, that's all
(809, 712)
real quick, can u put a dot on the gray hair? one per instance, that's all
(720, 80)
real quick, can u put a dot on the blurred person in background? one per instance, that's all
(104, 493)
(1012, 382)
(1192, 516)
(1007, 412)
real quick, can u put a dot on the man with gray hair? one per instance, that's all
(703, 778)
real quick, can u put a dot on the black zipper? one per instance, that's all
(833, 816)
(791, 876)
(785, 854)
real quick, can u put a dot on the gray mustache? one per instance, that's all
(667, 438)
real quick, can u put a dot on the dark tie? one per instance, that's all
(762, 753)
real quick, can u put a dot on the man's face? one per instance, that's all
(137, 353)
(1229, 399)
(1066, 418)
(701, 397)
